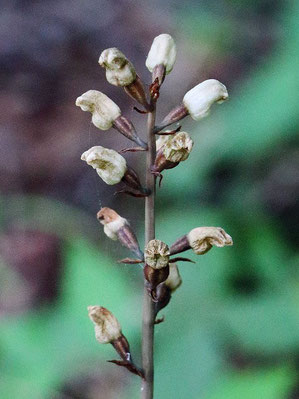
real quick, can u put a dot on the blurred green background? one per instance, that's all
(232, 329)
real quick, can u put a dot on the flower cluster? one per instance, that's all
(166, 150)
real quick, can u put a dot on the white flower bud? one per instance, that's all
(162, 52)
(156, 254)
(201, 239)
(177, 147)
(104, 110)
(107, 328)
(112, 222)
(119, 70)
(199, 100)
(174, 279)
(109, 164)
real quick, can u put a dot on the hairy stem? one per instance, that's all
(148, 305)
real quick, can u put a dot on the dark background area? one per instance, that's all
(231, 330)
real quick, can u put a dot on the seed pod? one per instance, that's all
(199, 100)
(118, 228)
(155, 276)
(165, 290)
(201, 240)
(161, 57)
(121, 72)
(156, 254)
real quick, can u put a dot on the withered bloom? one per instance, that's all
(118, 228)
(107, 327)
(108, 331)
(106, 114)
(171, 150)
(109, 164)
(111, 167)
(197, 102)
(201, 240)
(121, 72)
(161, 57)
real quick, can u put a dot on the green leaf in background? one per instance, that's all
(274, 383)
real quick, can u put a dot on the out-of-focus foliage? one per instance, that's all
(231, 330)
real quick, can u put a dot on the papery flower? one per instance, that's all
(118, 228)
(156, 254)
(109, 164)
(112, 222)
(196, 103)
(199, 100)
(119, 70)
(104, 110)
(174, 279)
(201, 239)
(162, 52)
(177, 147)
(107, 328)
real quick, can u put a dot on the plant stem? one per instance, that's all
(148, 318)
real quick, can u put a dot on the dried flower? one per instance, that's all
(109, 164)
(119, 70)
(104, 110)
(156, 254)
(118, 228)
(107, 328)
(201, 239)
(177, 147)
(106, 114)
(162, 52)
(174, 279)
(199, 100)
(112, 222)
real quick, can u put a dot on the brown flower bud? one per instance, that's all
(118, 228)
(155, 276)
(201, 240)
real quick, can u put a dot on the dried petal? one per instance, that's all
(201, 239)
(156, 254)
(162, 52)
(107, 328)
(199, 100)
(109, 164)
(104, 110)
(119, 70)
